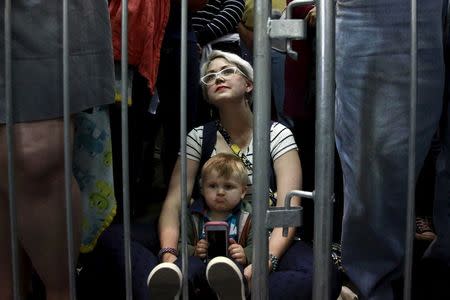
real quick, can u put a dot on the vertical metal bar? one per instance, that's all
(324, 158)
(10, 150)
(183, 173)
(410, 211)
(68, 150)
(125, 155)
(261, 109)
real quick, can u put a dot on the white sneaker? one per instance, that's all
(225, 278)
(164, 282)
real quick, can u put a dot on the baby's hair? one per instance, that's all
(226, 165)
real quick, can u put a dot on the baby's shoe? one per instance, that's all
(164, 282)
(225, 278)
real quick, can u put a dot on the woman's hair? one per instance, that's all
(226, 165)
(243, 65)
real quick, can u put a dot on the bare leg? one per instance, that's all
(39, 160)
(5, 251)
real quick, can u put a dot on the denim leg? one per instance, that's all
(372, 129)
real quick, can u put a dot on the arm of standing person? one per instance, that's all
(311, 17)
(224, 22)
(169, 220)
(246, 35)
(193, 5)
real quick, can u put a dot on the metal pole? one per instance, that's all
(68, 150)
(410, 211)
(10, 150)
(261, 92)
(324, 157)
(183, 174)
(125, 155)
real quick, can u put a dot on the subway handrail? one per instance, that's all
(10, 148)
(410, 207)
(125, 151)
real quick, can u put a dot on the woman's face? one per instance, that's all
(226, 88)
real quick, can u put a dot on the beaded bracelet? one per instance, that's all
(274, 260)
(167, 250)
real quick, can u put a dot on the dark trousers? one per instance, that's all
(103, 270)
(168, 86)
(294, 277)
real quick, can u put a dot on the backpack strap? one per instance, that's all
(208, 142)
(244, 228)
(272, 177)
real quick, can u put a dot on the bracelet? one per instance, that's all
(274, 260)
(167, 250)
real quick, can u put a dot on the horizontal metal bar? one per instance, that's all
(303, 194)
(290, 29)
(284, 217)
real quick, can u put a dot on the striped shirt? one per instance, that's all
(218, 18)
(281, 141)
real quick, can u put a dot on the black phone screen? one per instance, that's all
(217, 243)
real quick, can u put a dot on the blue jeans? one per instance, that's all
(372, 129)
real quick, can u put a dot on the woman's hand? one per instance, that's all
(237, 252)
(201, 249)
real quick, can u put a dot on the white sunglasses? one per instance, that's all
(226, 73)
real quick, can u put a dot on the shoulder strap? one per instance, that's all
(208, 143)
(272, 177)
(244, 229)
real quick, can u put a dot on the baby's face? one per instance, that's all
(222, 194)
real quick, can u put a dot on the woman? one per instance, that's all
(227, 82)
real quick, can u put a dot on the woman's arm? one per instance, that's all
(226, 18)
(169, 220)
(289, 177)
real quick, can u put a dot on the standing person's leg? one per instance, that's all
(440, 248)
(5, 246)
(372, 129)
(169, 94)
(39, 165)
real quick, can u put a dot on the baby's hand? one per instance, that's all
(237, 252)
(201, 249)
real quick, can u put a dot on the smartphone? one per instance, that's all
(217, 238)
